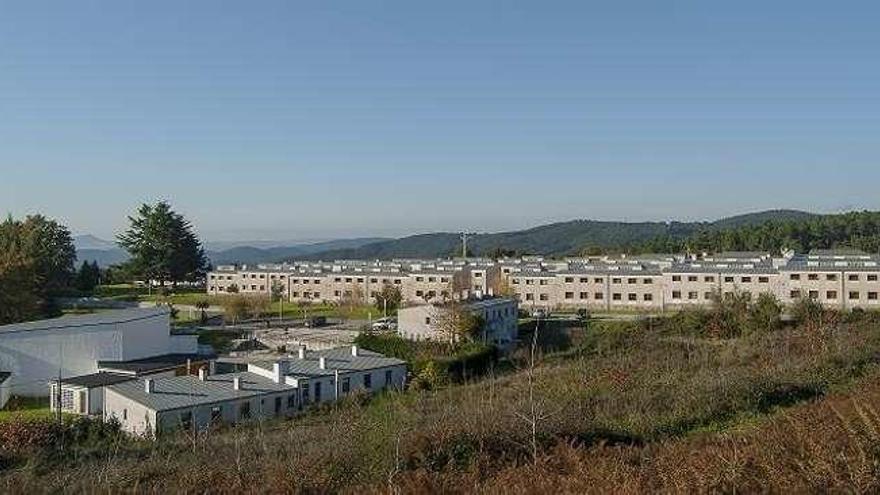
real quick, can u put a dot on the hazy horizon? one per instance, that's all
(255, 238)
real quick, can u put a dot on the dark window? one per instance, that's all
(317, 391)
(186, 421)
(216, 414)
(346, 385)
(368, 381)
(244, 410)
(278, 405)
(388, 378)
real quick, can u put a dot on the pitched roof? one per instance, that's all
(180, 392)
(339, 358)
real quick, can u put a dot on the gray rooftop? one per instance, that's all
(339, 358)
(733, 268)
(104, 318)
(181, 392)
(101, 379)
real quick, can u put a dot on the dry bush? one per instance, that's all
(632, 410)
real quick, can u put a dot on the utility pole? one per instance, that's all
(464, 240)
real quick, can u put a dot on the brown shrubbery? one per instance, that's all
(635, 408)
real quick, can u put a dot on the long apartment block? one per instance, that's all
(839, 279)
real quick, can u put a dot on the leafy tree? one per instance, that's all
(88, 276)
(235, 308)
(232, 289)
(19, 298)
(389, 298)
(765, 315)
(202, 305)
(458, 324)
(163, 246)
(36, 267)
(277, 291)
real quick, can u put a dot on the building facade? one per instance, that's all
(278, 388)
(35, 353)
(498, 317)
(839, 279)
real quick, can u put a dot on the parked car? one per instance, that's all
(316, 321)
(385, 324)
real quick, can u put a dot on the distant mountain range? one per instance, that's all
(106, 253)
(554, 239)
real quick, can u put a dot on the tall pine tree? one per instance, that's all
(163, 246)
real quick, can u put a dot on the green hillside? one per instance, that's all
(555, 239)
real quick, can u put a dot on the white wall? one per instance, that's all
(4, 393)
(133, 417)
(35, 356)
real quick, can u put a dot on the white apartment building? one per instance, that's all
(840, 279)
(419, 281)
(499, 320)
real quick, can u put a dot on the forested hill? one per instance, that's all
(859, 230)
(556, 239)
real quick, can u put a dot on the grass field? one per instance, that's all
(623, 407)
(21, 408)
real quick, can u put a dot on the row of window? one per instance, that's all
(833, 277)
(832, 295)
(728, 279)
(617, 296)
(244, 408)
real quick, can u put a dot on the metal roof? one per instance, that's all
(339, 358)
(96, 320)
(93, 380)
(731, 268)
(181, 392)
(155, 363)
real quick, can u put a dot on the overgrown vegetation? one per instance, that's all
(634, 407)
(434, 364)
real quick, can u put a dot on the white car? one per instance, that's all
(385, 324)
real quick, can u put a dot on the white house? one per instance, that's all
(499, 320)
(283, 387)
(37, 352)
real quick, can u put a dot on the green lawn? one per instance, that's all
(26, 408)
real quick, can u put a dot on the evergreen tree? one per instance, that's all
(163, 246)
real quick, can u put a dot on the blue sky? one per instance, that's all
(324, 119)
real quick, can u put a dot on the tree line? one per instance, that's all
(37, 260)
(857, 230)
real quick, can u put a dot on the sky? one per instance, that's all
(314, 120)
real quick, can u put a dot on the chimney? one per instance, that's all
(354, 350)
(236, 383)
(279, 369)
(322, 363)
(149, 385)
(203, 374)
(302, 352)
